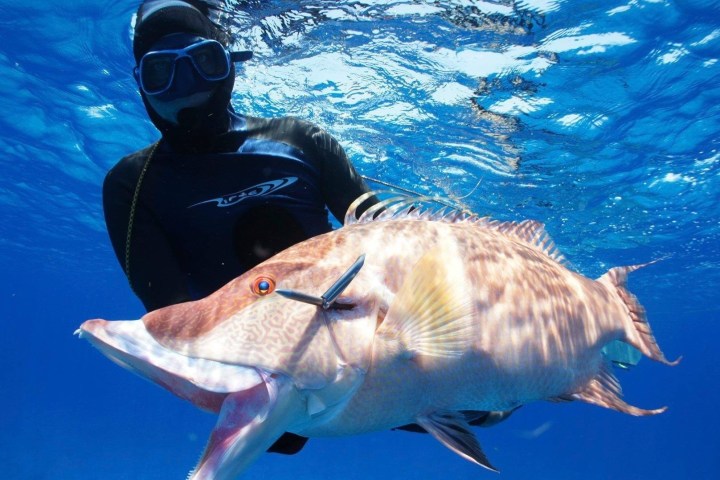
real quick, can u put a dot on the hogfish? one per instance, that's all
(404, 316)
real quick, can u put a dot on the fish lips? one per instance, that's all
(205, 383)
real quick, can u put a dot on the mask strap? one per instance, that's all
(241, 56)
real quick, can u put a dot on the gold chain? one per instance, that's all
(133, 207)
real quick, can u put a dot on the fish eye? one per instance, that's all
(263, 286)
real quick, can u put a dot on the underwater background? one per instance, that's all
(599, 118)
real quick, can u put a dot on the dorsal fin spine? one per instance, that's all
(369, 214)
(350, 215)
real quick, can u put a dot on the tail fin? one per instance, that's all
(621, 354)
(637, 329)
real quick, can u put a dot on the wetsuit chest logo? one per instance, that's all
(258, 190)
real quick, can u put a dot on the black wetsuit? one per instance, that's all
(202, 219)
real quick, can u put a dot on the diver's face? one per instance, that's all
(188, 89)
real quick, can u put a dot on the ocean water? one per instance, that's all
(599, 118)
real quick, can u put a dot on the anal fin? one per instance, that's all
(604, 391)
(452, 430)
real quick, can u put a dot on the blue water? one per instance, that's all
(601, 119)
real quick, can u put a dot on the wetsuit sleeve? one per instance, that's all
(341, 184)
(154, 273)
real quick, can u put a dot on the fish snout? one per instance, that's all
(90, 327)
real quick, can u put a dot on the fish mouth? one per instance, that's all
(205, 383)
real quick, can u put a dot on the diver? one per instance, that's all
(219, 192)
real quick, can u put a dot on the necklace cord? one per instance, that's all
(133, 207)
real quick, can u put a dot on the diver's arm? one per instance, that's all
(341, 184)
(154, 273)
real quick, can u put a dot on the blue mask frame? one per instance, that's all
(168, 59)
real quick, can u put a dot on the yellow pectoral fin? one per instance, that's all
(432, 312)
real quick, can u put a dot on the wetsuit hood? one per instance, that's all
(197, 127)
(158, 18)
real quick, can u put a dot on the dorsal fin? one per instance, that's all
(351, 214)
(371, 212)
(403, 206)
(533, 233)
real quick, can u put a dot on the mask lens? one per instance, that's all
(156, 71)
(210, 60)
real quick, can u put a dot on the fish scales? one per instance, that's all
(442, 319)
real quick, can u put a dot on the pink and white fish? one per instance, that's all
(439, 314)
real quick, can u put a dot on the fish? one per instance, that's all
(408, 316)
